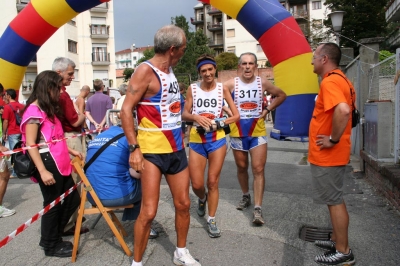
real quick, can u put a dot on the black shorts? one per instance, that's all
(169, 163)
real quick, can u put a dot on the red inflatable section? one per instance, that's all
(26, 25)
(278, 42)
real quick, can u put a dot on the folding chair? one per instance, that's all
(106, 212)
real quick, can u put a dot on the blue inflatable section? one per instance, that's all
(259, 22)
(295, 107)
(11, 45)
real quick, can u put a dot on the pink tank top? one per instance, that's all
(50, 131)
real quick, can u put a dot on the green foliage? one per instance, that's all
(226, 61)
(147, 54)
(363, 19)
(383, 54)
(128, 73)
(268, 64)
(196, 45)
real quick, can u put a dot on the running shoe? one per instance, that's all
(325, 244)
(244, 202)
(335, 258)
(257, 217)
(4, 212)
(201, 207)
(213, 230)
(186, 259)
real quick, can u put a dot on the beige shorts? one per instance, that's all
(328, 184)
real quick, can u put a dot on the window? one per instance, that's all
(98, 20)
(259, 49)
(230, 33)
(100, 74)
(72, 46)
(230, 49)
(228, 17)
(99, 52)
(316, 5)
(134, 58)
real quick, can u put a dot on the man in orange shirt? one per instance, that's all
(329, 150)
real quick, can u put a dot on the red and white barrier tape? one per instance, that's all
(36, 217)
(6, 153)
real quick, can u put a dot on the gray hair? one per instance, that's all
(62, 63)
(122, 88)
(166, 37)
(248, 53)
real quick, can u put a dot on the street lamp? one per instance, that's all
(337, 21)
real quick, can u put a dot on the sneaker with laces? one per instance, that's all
(153, 234)
(257, 217)
(213, 230)
(186, 259)
(335, 258)
(4, 212)
(201, 207)
(325, 244)
(244, 202)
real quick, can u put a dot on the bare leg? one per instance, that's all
(216, 159)
(242, 164)
(179, 186)
(258, 159)
(150, 178)
(340, 224)
(197, 165)
(3, 186)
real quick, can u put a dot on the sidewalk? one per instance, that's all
(374, 233)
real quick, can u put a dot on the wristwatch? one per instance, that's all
(266, 108)
(133, 147)
(221, 123)
(333, 141)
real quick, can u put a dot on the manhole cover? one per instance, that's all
(311, 233)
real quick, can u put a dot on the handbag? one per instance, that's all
(24, 167)
(355, 114)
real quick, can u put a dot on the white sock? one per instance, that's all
(246, 194)
(209, 218)
(257, 206)
(134, 263)
(180, 251)
(204, 200)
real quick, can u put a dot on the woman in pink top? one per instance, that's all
(40, 124)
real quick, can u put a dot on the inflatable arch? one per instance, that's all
(273, 26)
(29, 30)
(289, 53)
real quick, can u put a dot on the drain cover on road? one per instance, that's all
(311, 233)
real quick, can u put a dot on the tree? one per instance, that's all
(363, 19)
(383, 54)
(128, 73)
(147, 54)
(196, 45)
(226, 61)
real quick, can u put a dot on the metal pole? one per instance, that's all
(337, 38)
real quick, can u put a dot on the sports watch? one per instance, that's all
(133, 147)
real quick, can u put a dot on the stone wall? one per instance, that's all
(384, 177)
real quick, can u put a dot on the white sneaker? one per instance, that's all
(185, 259)
(4, 212)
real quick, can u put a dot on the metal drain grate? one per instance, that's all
(311, 233)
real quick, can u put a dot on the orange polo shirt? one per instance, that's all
(333, 90)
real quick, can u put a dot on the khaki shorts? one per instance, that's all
(328, 184)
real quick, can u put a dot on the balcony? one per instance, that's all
(392, 12)
(394, 38)
(214, 11)
(99, 31)
(21, 4)
(300, 14)
(26, 88)
(197, 20)
(102, 8)
(215, 26)
(216, 43)
(100, 59)
(297, 2)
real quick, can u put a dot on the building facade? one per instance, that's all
(88, 40)
(228, 35)
(128, 58)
